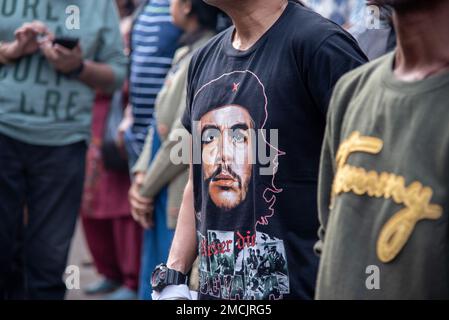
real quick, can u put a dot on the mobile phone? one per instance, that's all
(66, 42)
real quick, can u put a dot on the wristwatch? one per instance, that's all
(163, 276)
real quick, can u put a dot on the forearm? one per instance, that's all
(4, 54)
(98, 75)
(3, 58)
(183, 251)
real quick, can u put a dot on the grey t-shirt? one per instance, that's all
(39, 105)
(384, 188)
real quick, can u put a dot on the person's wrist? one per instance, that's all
(173, 292)
(177, 267)
(163, 276)
(139, 178)
(75, 73)
(5, 56)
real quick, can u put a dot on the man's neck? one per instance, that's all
(252, 18)
(423, 42)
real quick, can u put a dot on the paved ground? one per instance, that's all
(79, 256)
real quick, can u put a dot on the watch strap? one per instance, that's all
(175, 277)
(75, 73)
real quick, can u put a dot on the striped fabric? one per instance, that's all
(154, 42)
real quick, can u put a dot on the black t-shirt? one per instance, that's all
(257, 118)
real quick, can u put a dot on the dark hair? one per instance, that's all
(129, 7)
(209, 18)
(207, 15)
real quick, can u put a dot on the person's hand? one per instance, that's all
(141, 207)
(124, 125)
(173, 292)
(26, 40)
(62, 59)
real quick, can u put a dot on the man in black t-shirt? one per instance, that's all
(257, 101)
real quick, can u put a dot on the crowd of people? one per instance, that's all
(314, 144)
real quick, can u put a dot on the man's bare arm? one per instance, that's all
(98, 75)
(183, 251)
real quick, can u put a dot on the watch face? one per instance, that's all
(163, 276)
(158, 278)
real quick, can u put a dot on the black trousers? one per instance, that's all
(47, 183)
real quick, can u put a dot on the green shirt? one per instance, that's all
(39, 105)
(384, 187)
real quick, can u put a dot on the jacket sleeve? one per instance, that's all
(163, 169)
(143, 162)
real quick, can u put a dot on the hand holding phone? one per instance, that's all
(66, 57)
(67, 42)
